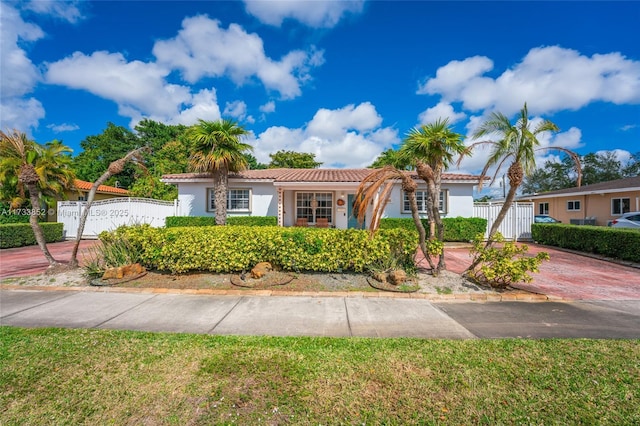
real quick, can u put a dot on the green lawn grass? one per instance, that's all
(54, 376)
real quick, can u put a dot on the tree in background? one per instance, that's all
(253, 163)
(217, 150)
(596, 168)
(168, 153)
(517, 144)
(99, 151)
(391, 157)
(431, 148)
(34, 172)
(293, 160)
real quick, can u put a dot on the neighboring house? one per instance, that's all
(592, 204)
(80, 192)
(313, 195)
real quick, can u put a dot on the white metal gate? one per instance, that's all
(515, 226)
(106, 215)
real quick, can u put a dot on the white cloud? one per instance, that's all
(65, 10)
(268, 107)
(64, 127)
(441, 111)
(328, 123)
(628, 127)
(549, 79)
(346, 137)
(315, 14)
(203, 49)
(19, 75)
(238, 110)
(139, 88)
(21, 113)
(621, 155)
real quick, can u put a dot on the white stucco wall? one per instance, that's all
(459, 201)
(193, 198)
(264, 201)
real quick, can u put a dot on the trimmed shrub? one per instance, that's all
(177, 221)
(21, 234)
(237, 248)
(617, 243)
(462, 229)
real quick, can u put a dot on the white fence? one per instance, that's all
(515, 226)
(106, 215)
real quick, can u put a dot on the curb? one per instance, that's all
(516, 296)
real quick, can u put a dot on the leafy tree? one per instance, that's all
(34, 171)
(293, 160)
(390, 157)
(253, 162)
(600, 167)
(431, 149)
(217, 149)
(101, 150)
(632, 168)
(516, 143)
(551, 177)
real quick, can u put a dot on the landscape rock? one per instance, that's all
(397, 277)
(123, 271)
(261, 269)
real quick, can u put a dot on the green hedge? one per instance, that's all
(177, 221)
(21, 234)
(455, 228)
(623, 244)
(237, 248)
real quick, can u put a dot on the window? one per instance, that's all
(620, 206)
(573, 206)
(543, 208)
(314, 205)
(421, 200)
(238, 200)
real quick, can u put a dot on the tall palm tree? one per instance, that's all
(431, 148)
(218, 150)
(35, 171)
(518, 144)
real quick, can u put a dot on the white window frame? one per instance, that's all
(211, 200)
(543, 208)
(621, 206)
(573, 205)
(314, 211)
(421, 198)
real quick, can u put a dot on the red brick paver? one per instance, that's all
(568, 275)
(23, 261)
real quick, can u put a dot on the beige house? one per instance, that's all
(596, 204)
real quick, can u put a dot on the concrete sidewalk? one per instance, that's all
(318, 316)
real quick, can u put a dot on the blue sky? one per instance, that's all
(344, 80)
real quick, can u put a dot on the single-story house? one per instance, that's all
(592, 204)
(311, 195)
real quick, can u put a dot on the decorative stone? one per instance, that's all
(380, 276)
(123, 271)
(261, 269)
(397, 277)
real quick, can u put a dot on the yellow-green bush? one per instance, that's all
(237, 248)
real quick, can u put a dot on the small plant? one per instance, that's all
(115, 250)
(502, 265)
(443, 290)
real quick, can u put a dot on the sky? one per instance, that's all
(344, 80)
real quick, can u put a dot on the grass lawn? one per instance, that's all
(54, 376)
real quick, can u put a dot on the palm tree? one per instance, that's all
(35, 171)
(516, 143)
(376, 189)
(218, 150)
(431, 149)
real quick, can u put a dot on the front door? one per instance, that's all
(352, 221)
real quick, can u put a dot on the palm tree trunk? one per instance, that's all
(113, 169)
(37, 229)
(220, 184)
(439, 225)
(422, 233)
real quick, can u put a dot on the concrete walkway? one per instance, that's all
(318, 316)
